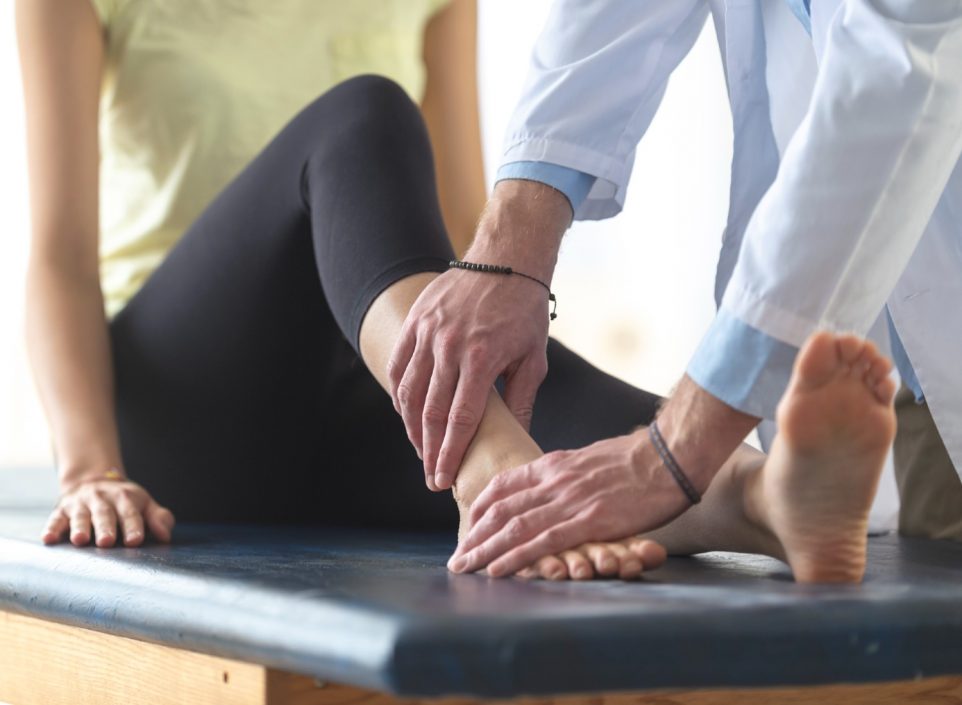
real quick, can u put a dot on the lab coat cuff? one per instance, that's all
(574, 184)
(744, 367)
(606, 196)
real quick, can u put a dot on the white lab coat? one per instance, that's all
(846, 189)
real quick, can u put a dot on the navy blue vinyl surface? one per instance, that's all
(379, 610)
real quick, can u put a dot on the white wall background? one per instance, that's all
(635, 293)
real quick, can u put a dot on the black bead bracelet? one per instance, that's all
(501, 269)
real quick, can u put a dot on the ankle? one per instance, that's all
(755, 510)
(480, 468)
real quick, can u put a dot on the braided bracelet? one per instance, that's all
(673, 467)
(501, 269)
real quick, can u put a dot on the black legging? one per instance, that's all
(240, 395)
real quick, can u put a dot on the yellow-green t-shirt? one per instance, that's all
(194, 89)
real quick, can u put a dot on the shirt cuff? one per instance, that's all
(574, 184)
(744, 367)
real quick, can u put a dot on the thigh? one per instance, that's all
(578, 404)
(229, 361)
(221, 363)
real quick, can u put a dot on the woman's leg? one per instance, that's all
(239, 395)
(235, 373)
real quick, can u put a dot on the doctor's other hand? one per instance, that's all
(608, 490)
(92, 510)
(467, 328)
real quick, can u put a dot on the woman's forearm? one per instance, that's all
(67, 336)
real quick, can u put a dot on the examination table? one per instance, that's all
(231, 614)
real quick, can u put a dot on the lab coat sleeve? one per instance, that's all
(598, 73)
(856, 188)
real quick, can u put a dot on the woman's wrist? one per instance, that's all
(75, 474)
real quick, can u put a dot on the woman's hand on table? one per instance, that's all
(94, 510)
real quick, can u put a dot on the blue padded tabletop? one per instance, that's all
(379, 610)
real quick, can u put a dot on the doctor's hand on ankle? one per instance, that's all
(470, 326)
(91, 509)
(611, 489)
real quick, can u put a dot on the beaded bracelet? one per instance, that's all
(673, 467)
(501, 269)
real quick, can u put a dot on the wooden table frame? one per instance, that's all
(47, 663)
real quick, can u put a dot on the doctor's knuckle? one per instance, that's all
(556, 539)
(404, 394)
(462, 417)
(516, 528)
(499, 513)
(433, 415)
(447, 344)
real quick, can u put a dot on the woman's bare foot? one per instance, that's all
(836, 423)
(625, 560)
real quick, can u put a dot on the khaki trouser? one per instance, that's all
(929, 486)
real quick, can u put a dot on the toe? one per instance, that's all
(850, 349)
(604, 561)
(652, 554)
(551, 568)
(629, 565)
(885, 390)
(818, 360)
(579, 567)
(881, 368)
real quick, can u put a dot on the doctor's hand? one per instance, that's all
(611, 489)
(468, 328)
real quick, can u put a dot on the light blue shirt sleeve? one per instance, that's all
(749, 370)
(574, 184)
(744, 367)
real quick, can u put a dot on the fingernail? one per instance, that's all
(442, 481)
(459, 565)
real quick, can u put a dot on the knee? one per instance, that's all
(365, 109)
(372, 92)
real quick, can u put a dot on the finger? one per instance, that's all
(553, 540)
(651, 553)
(400, 359)
(434, 419)
(504, 485)
(131, 521)
(519, 531)
(411, 392)
(57, 525)
(629, 565)
(603, 559)
(551, 568)
(579, 567)
(521, 388)
(498, 517)
(467, 408)
(104, 520)
(160, 521)
(79, 524)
